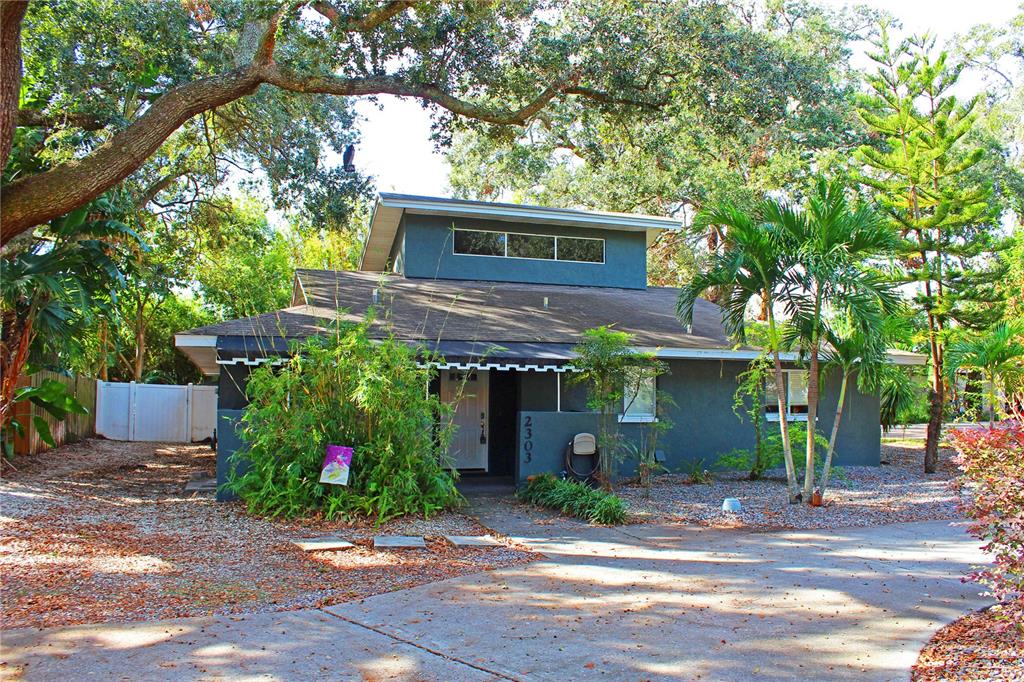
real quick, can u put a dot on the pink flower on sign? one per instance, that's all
(336, 465)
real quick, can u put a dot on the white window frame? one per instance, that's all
(556, 259)
(640, 417)
(770, 398)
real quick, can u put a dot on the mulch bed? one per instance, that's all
(102, 531)
(895, 492)
(978, 646)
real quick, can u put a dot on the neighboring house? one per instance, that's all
(503, 292)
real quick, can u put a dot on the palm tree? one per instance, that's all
(998, 354)
(49, 286)
(833, 242)
(850, 351)
(754, 264)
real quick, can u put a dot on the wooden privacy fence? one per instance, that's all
(72, 428)
(155, 412)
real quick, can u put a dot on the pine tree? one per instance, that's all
(918, 173)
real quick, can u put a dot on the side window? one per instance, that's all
(638, 402)
(796, 396)
(582, 250)
(797, 392)
(478, 243)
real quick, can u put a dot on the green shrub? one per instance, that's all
(696, 472)
(743, 460)
(574, 498)
(344, 388)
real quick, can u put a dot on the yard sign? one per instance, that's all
(336, 465)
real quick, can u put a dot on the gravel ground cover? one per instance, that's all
(976, 647)
(861, 496)
(103, 531)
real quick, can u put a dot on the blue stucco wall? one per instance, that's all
(227, 443)
(704, 425)
(426, 252)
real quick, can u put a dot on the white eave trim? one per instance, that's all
(195, 340)
(540, 214)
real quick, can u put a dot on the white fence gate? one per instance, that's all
(157, 412)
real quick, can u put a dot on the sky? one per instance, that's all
(395, 144)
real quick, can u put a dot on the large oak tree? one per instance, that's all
(501, 63)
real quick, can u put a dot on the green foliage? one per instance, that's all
(612, 370)
(902, 401)
(127, 54)
(343, 388)
(164, 363)
(740, 459)
(920, 171)
(723, 135)
(50, 395)
(998, 354)
(574, 498)
(697, 472)
(643, 449)
(749, 399)
(248, 276)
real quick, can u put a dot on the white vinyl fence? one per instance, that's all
(157, 412)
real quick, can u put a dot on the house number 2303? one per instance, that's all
(528, 439)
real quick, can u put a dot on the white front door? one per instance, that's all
(469, 443)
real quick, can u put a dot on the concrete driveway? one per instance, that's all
(635, 603)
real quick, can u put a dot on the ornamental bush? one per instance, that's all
(343, 388)
(991, 463)
(574, 498)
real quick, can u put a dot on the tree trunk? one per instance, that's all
(827, 469)
(937, 399)
(103, 375)
(11, 14)
(20, 333)
(992, 401)
(787, 450)
(812, 421)
(140, 341)
(38, 198)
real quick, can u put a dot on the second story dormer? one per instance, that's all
(432, 238)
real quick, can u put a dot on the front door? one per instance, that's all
(469, 443)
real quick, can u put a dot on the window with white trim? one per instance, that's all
(639, 401)
(796, 396)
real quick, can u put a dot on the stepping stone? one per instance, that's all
(399, 542)
(201, 484)
(472, 540)
(322, 544)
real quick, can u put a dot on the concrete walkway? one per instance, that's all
(640, 602)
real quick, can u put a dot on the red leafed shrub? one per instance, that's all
(991, 462)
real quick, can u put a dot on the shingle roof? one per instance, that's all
(460, 310)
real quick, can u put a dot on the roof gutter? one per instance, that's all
(895, 358)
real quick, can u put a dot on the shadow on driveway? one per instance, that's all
(638, 602)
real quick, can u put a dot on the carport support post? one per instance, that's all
(131, 411)
(188, 413)
(558, 391)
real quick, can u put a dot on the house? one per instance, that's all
(502, 293)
